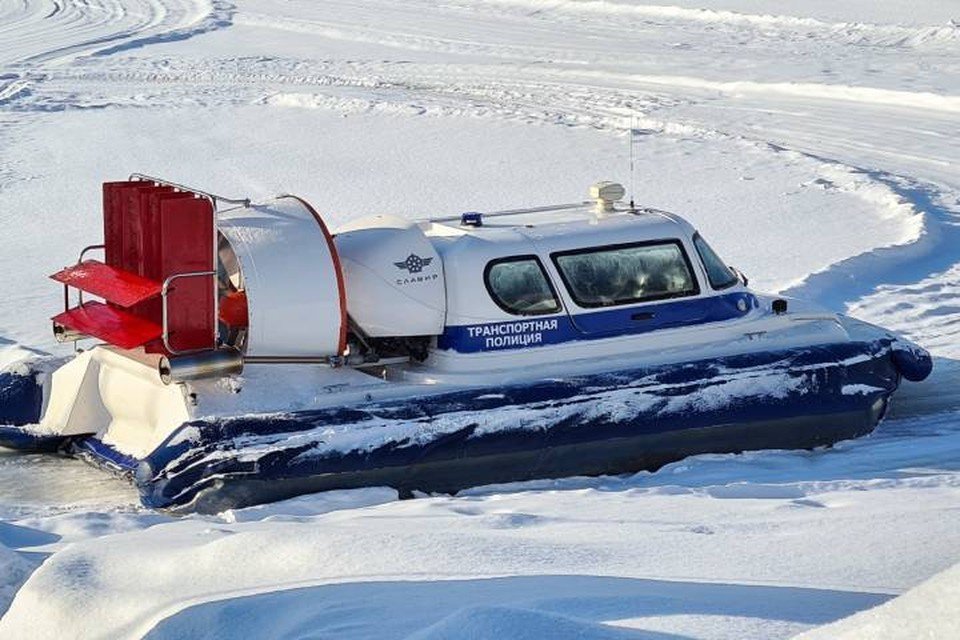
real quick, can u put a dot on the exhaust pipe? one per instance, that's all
(208, 364)
(63, 334)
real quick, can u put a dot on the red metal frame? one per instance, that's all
(150, 210)
(185, 227)
(152, 233)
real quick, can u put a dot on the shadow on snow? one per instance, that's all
(515, 607)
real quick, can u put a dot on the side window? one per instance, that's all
(520, 286)
(626, 274)
(719, 274)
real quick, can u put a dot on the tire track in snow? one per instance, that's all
(219, 16)
(934, 250)
(767, 26)
(579, 99)
(173, 83)
(45, 30)
(42, 37)
(52, 31)
(402, 37)
(341, 19)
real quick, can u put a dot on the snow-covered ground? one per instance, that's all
(815, 143)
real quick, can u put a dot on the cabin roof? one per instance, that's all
(568, 228)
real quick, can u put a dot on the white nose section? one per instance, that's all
(119, 399)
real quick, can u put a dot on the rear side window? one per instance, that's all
(520, 286)
(719, 274)
(626, 274)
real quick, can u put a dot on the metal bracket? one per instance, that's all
(83, 252)
(164, 290)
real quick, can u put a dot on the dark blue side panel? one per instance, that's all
(24, 439)
(21, 398)
(664, 315)
(21, 401)
(627, 320)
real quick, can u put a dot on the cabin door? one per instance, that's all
(630, 288)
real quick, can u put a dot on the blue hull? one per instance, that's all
(610, 423)
(21, 398)
(601, 424)
(21, 402)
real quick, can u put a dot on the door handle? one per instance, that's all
(645, 315)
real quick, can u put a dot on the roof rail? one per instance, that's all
(512, 212)
(212, 197)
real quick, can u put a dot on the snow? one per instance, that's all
(813, 143)
(926, 611)
(684, 549)
(14, 569)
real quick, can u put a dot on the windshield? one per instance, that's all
(719, 274)
(626, 274)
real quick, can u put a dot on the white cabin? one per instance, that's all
(480, 283)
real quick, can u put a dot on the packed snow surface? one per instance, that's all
(926, 611)
(815, 144)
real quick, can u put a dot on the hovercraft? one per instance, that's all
(245, 353)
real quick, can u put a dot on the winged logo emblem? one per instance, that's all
(413, 263)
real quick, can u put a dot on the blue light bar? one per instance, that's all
(471, 219)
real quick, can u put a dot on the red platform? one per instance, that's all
(110, 324)
(113, 285)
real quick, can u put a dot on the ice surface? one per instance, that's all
(813, 142)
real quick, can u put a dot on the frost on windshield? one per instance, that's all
(622, 275)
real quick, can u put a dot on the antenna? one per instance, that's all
(633, 121)
(635, 131)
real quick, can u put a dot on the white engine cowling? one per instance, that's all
(393, 276)
(291, 278)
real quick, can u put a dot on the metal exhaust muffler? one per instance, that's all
(196, 366)
(63, 334)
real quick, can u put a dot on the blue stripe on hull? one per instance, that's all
(604, 423)
(103, 455)
(543, 330)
